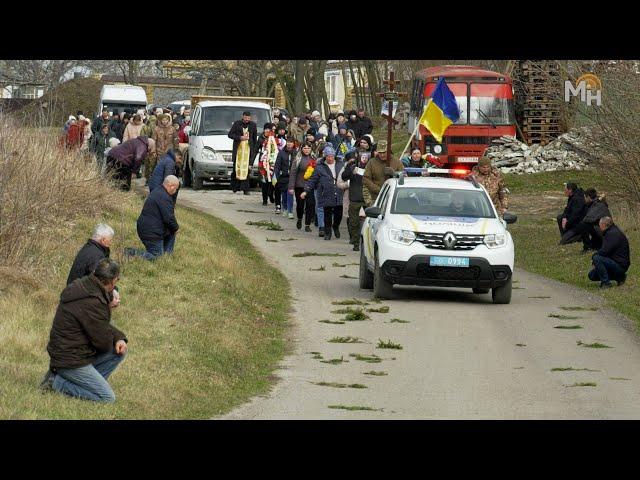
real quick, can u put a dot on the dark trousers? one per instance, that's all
(586, 232)
(120, 173)
(306, 206)
(332, 218)
(354, 222)
(605, 269)
(267, 192)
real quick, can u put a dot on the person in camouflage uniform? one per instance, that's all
(147, 131)
(491, 178)
(166, 138)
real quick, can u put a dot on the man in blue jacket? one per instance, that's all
(612, 261)
(157, 225)
(165, 167)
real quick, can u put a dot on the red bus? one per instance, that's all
(485, 100)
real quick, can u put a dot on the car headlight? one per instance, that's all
(495, 241)
(437, 149)
(404, 237)
(209, 155)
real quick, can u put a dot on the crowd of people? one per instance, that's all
(587, 218)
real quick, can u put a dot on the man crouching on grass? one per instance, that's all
(83, 345)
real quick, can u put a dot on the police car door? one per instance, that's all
(374, 223)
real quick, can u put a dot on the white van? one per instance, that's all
(210, 148)
(121, 97)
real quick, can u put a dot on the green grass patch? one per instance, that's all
(375, 373)
(335, 361)
(316, 254)
(618, 378)
(342, 265)
(592, 345)
(541, 296)
(568, 327)
(351, 301)
(521, 344)
(348, 276)
(366, 358)
(378, 310)
(580, 309)
(249, 211)
(347, 339)
(227, 202)
(269, 225)
(357, 316)
(354, 408)
(332, 322)
(321, 269)
(518, 368)
(272, 240)
(389, 344)
(202, 338)
(518, 288)
(287, 239)
(339, 385)
(583, 384)
(398, 320)
(571, 369)
(552, 182)
(563, 317)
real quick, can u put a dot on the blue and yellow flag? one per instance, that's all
(441, 110)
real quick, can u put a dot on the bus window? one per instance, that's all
(460, 92)
(491, 104)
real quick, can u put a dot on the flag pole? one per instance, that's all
(415, 130)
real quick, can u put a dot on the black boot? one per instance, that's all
(321, 232)
(336, 232)
(327, 234)
(307, 228)
(299, 224)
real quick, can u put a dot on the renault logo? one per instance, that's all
(449, 240)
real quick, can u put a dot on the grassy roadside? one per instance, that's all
(537, 199)
(205, 330)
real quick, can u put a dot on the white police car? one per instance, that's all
(433, 231)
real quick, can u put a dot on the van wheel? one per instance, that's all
(366, 277)
(196, 182)
(481, 290)
(502, 294)
(381, 288)
(186, 175)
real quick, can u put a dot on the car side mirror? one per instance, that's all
(373, 212)
(509, 218)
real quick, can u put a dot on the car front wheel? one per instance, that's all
(366, 277)
(196, 182)
(381, 287)
(502, 294)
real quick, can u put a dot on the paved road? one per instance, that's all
(462, 357)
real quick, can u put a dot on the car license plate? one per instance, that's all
(448, 261)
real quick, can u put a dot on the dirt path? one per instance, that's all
(462, 357)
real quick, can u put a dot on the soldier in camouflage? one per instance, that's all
(491, 178)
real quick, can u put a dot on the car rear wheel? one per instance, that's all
(366, 277)
(481, 290)
(196, 182)
(186, 175)
(502, 294)
(381, 287)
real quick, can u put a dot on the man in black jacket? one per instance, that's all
(157, 225)
(84, 348)
(587, 230)
(96, 249)
(353, 172)
(612, 261)
(243, 130)
(574, 211)
(364, 125)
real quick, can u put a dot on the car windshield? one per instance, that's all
(218, 120)
(441, 202)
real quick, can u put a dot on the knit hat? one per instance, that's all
(342, 126)
(484, 161)
(302, 121)
(113, 142)
(315, 113)
(158, 111)
(282, 126)
(328, 150)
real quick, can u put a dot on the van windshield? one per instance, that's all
(218, 120)
(440, 202)
(121, 107)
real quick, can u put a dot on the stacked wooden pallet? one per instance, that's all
(536, 85)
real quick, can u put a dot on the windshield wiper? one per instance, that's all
(486, 117)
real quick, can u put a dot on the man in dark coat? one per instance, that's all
(126, 158)
(281, 171)
(613, 260)
(157, 225)
(168, 165)
(574, 211)
(96, 249)
(587, 230)
(237, 134)
(364, 124)
(354, 124)
(353, 172)
(100, 142)
(103, 119)
(84, 347)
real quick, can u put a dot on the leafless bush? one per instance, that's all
(43, 189)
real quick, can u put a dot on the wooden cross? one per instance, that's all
(390, 95)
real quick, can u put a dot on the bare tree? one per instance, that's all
(43, 72)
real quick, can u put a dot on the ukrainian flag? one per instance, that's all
(441, 110)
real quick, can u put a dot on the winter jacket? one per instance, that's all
(166, 137)
(375, 176)
(329, 195)
(235, 133)
(298, 167)
(74, 137)
(98, 123)
(166, 166)
(282, 168)
(81, 327)
(574, 211)
(100, 143)
(87, 259)
(157, 219)
(363, 127)
(149, 127)
(355, 183)
(132, 131)
(595, 211)
(131, 153)
(616, 247)
(114, 126)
